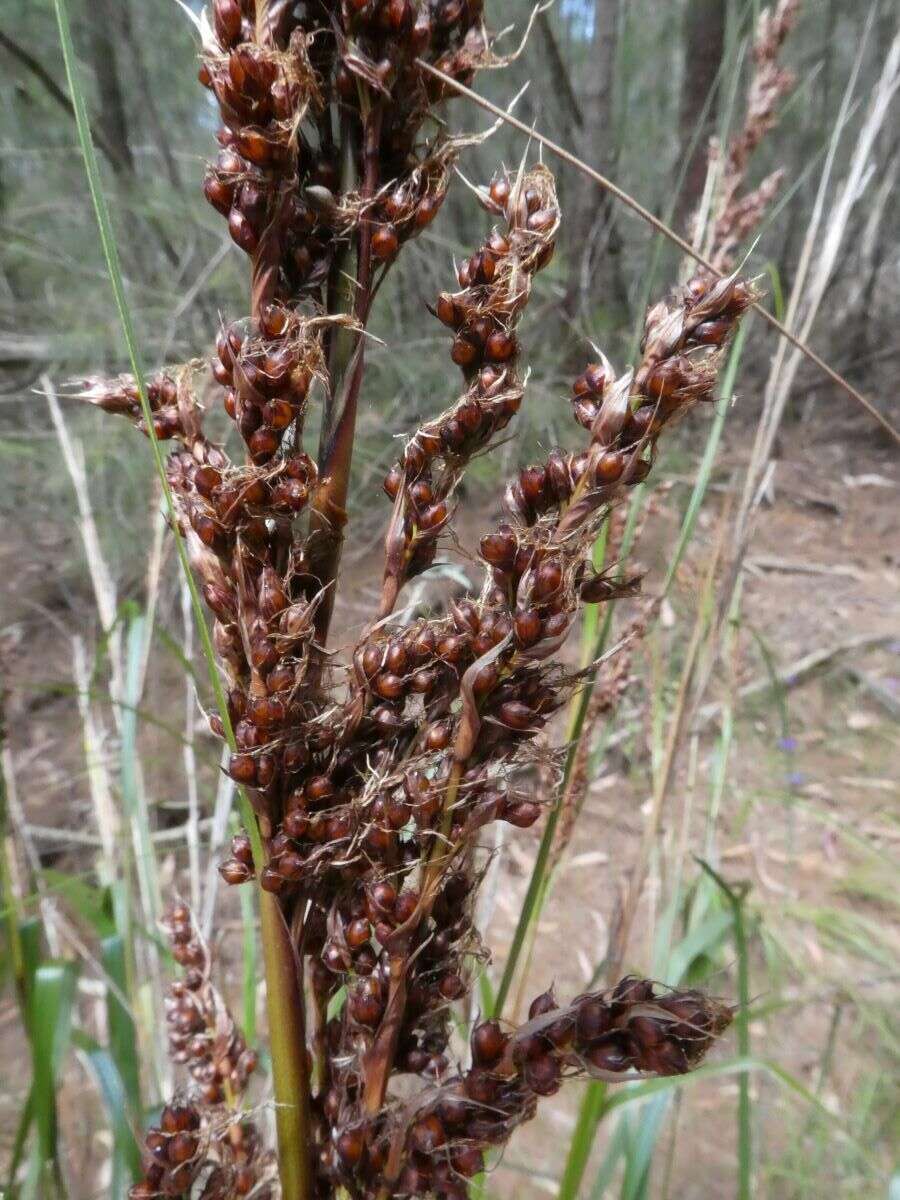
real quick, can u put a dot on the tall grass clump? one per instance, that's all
(368, 773)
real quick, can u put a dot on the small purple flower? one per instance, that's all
(796, 779)
(787, 744)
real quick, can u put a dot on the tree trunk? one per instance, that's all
(704, 42)
(104, 37)
(595, 271)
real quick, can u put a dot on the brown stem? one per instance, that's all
(379, 1062)
(346, 368)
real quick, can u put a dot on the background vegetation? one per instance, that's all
(759, 734)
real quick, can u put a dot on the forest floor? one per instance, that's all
(807, 819)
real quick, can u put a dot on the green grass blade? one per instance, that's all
(590, 1114)
(52, 1004)
(111, 1086)
(111, 254)
(639, 1154)
(704, 471)
(736, 899)
(538, 884)
(123, 1046)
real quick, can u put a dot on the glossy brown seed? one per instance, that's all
(350, 1145)
(451, 986)
(234, 872)
(296, 824)
(609, 467)
(219, 193)
(547, 580)
(500, 346)
(542, 220)
(516, 715)
(542, 1075)
(437, 736)
(449, 311)
(527, 627)
(667, 377)
(486, 679)
(385, 243)
(433, 517)
(532, 481)
(711, 333)
(393, 481)
(556, 625)
(481, 1087)
(499, 191)
(358, 933)
(611, 1052)
(488, 1043)
(427, 1134)
(637, 472)
(464, 352)
(242, 769)
(593, 1020)
(423, 682)
(389, 686)
(522, 813)
(242, 232)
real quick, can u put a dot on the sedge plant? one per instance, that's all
(371, 771)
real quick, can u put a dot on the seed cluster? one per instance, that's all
(496, 283)
(443, 1141)
(278, 81)
(203, 1145)
(372, 780)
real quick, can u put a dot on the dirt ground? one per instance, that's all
(808, 817)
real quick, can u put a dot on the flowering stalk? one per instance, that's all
(371, 781)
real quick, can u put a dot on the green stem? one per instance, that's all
(287, 1042)
(531, 906)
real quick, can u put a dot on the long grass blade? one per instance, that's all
(284, 998)
(52, 1005)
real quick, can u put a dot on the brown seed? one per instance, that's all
(548, 579)
(488, 1043)
(350, 1146)
(242, 769)
(542, 220)
(467, 1161)
(611, 1052)
(499, 190)
(542, 1075)
(464, 352)
(481, 1086)
(427, 1134)
(532, 481)
(527, 626)
(433, 517)
(389, 686)
(500, 346)
(385, 243)
(593, 1020)
(556, 625)
(358, 933)
(437, 736)
(242, 232)
(516, 715)
(609, 467)
(522, 813)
